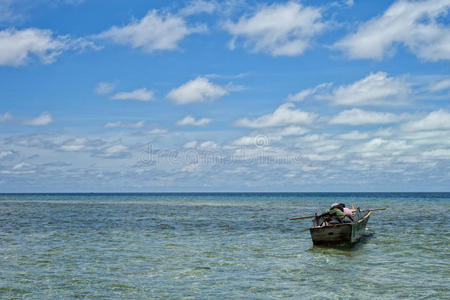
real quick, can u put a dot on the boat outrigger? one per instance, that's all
(325, 233)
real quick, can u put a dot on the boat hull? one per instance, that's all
(339, 233)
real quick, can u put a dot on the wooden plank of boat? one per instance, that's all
(339, 233)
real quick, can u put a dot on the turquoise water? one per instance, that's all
(205, 246)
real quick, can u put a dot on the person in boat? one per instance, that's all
(336, 214)
(347, 211)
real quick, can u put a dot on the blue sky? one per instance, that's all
(106, 96)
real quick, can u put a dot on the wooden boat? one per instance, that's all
(343, 233)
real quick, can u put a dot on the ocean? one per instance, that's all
(219, 245)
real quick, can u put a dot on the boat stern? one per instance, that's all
(334, 234)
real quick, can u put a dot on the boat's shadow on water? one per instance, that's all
(346, 249)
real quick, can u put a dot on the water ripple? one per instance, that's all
(224, 245)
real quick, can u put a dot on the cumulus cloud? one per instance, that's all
(199, 89)
(97, 147)
(252, 140)
(152, 33)
(74, 145)
(357, 116)
(379, 146)
(436, 120)
(278, 29)
(120, 124)
(44, 119)
(81, 144)
(414, 24)
(115, 151)
(208, 145)
(17, 47)
(191, 121)
(104, 88)
(190, 145)
(285, 114)
(375, 89)
(138, 95)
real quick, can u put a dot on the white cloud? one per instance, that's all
(116, 151)
(247, 140)
(440, 85)
(20, 168)
(156, 131)
(191, 121)
(380, 147)
(44, 119)
(354, 135)
(303, 94)
(21, 165)
(438, 153)
(257, 140)
(435, 120)
(153, 32)
(190, 168)
(195, 7)
(362, 117)
(72, 145)
(292, 130)
(191, 144)
(5, 154)
(208, 145)
(283, 115)
(198, 90)
(139, 95)
(104, 88)
(349, 2)
(6, 117)
(278, 29)
(120, 124)
(19, 172)
(415, 24)
(16, 46)
(375, 89)
(372, 145)
(263, 139)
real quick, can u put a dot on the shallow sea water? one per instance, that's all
(229, 246)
